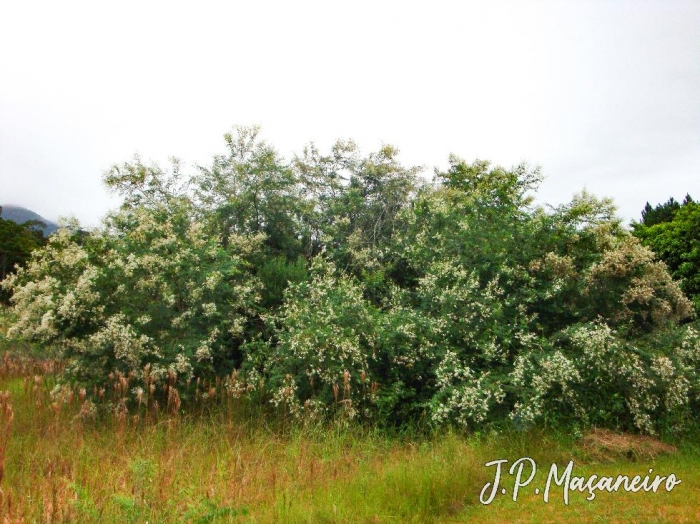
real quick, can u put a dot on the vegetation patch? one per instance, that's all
(332, 338)
(603, 445)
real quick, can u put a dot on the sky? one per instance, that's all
(601, 95)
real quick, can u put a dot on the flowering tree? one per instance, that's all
(151, 290)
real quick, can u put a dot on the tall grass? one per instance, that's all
(218, 459)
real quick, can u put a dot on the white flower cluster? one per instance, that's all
(152, 291)
(462, 396)
(607, 364)
(328, 332)
(550, 378)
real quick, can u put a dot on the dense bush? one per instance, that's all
(151, 295)
(338, 286)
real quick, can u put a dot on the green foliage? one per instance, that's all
(276, 274)
(17, 241)
(497, 312)
(676, 241)
(353, 204)
(325, 346)
(337, 286)
(250, 191)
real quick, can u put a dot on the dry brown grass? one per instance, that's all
(603, 445)
(7, 417)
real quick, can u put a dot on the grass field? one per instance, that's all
(223, 464)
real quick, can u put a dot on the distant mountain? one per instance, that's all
(20, 215)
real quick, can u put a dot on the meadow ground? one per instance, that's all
(222, 463)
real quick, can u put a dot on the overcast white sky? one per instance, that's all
(601, 95)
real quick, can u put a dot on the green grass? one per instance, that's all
(228, 466)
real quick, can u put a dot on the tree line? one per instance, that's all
(17, 241)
